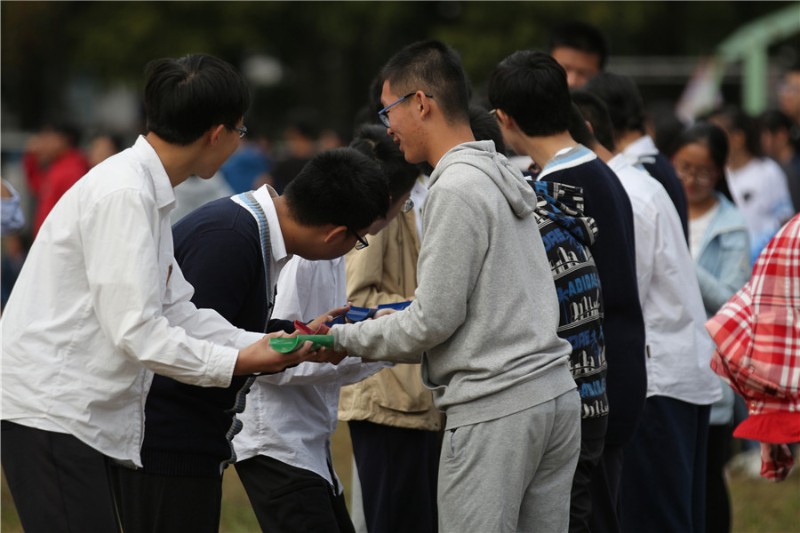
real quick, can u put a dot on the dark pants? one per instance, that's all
(58, 483)
(149, 503)
(290, 499)
(718, 505)
(593, 435)
(664, 478)
(398, 469)
(606, 480)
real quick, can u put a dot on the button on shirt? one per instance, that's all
(100, 304)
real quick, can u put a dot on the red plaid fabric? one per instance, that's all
(757, 331)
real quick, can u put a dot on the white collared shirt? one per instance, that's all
(291, 416)
(100, 305)
(640, 150)
(678, 347)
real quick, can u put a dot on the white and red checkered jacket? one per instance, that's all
(757, 333)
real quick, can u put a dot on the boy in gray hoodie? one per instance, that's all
(485, 313)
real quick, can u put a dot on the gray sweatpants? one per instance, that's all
(512, 473)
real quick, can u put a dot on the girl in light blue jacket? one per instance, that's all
(720, 245)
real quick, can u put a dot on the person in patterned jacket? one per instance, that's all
(757, 333)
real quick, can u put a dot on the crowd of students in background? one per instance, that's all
(550, 235)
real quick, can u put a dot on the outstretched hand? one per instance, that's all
(328, 355)
(260, 358)
(318, 324)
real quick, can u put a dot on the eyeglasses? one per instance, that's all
(361, 242)
(383, 114)
(241, 131)
(408, 205)
(701, 175)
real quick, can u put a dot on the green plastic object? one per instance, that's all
(290, 344)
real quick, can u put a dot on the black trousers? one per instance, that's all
(606, 480)
(288, 499)
(398, 470)
(593, 436)
(150, 503)
(58, 483)
(663, 487)
(718, 505)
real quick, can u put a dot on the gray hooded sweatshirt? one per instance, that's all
(485, 313)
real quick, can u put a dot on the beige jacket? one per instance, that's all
(386, 272)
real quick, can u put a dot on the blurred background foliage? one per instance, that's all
(317, 54)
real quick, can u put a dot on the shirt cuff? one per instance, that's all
(219, 370)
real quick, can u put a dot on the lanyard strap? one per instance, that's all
(249, 202)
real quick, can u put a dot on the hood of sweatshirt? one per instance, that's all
(508, 178)
(563, 204)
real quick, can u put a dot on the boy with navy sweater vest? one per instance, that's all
(529, 92)
(232, 251)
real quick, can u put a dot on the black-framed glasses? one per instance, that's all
(241, 131)
(361, 242)
(383, 114)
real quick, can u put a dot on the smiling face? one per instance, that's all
(404, 125)
(698, 173)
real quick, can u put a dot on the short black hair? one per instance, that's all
(184, 97)
(624, 101)
(666, 125)
(595, 111)
(774, 120)
(485, 127)
(435, 68)
(340, 186)
(66, 129)
(580, 36)
(373, 141)
(305, 121)
(531, 87)
(579, 130)
(115, 139)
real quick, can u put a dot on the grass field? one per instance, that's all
(759, 506)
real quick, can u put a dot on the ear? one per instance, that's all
(505, 120)
(423, 103)
(214, 134)
(589, 125)
(335, 233)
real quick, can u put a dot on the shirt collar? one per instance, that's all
(642, 146)
(567, 158)
(165, 195)
(264, 199)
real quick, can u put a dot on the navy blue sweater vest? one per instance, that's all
(188, 428)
